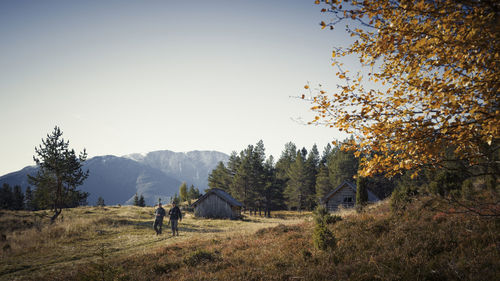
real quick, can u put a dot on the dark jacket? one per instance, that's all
(175, 213)
(160, 213)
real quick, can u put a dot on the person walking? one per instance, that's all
(159, 214)
(175, 216)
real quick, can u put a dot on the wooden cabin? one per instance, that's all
(344, 195)
(216, 203)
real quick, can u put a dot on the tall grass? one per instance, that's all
(373, 245)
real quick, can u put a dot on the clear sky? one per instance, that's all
(122, 77)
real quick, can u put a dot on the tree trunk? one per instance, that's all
(56, 214)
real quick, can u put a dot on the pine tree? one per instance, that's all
(297, 191)
(193, 193)
(100, 202)
(59, 173)
(28, 199)
(323, 186)
(243, 180)
(311, 170)
(326, 154)
(283, 164)
(342, 166)
(175, 199)
(233, 163)
(287, 158)
(17, 198)
(142, 202)
(6, 197)
(136, 199)
(220, 178)
(273, 193)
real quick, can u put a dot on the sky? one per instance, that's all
(121, 77)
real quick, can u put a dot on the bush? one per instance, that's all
(323, 238)
(401, 197)
(199, 257)
(321, 215)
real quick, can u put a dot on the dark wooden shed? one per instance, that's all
(216, 203)
(344, 195)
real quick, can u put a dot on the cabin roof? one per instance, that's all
(220, 193)
(371, 196)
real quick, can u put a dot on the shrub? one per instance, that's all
(199, 257)
(323, 238)
(401, 197)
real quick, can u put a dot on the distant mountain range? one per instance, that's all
(155, 174)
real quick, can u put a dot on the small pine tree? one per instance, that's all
(17, 198)
(6, 197)
(323, 237)
(142, 202)
(175, 199)
(136, 200)
(193, 193)
(28, 199)
(100, 202)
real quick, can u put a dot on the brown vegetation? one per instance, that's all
(373, 245)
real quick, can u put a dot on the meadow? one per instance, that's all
(32, 248)
(118, 243)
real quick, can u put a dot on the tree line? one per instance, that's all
(298, 180)
(13, 198)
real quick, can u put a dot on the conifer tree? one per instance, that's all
(59, 173)
(233, 163)
(323, 185)
(286, 159)
(6, 197)
(283, 164)
(297, 191)
(342, 166)
(136, 199)
(17, 198)
(243, 180)
(220, 178)
(100, 202)
(273, 192)
(175, 199)
(326, 154)
(28, 199)
(142, 202)
(311, 170)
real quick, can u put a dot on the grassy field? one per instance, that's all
(117, 243)
(32, 248)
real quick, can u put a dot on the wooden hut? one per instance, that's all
(216, 203)
(344, 195)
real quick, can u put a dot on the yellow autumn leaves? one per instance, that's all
(440, 62)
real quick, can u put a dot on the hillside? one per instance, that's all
(117, 244)
(155, 174)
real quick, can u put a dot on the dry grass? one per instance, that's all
(33, 247)
(373, 245)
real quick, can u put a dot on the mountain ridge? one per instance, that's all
(156, 174)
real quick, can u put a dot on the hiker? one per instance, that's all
(159, 214)
(175, 215)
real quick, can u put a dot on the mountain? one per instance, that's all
(192, 167)
(155, 174)
(117, 179)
